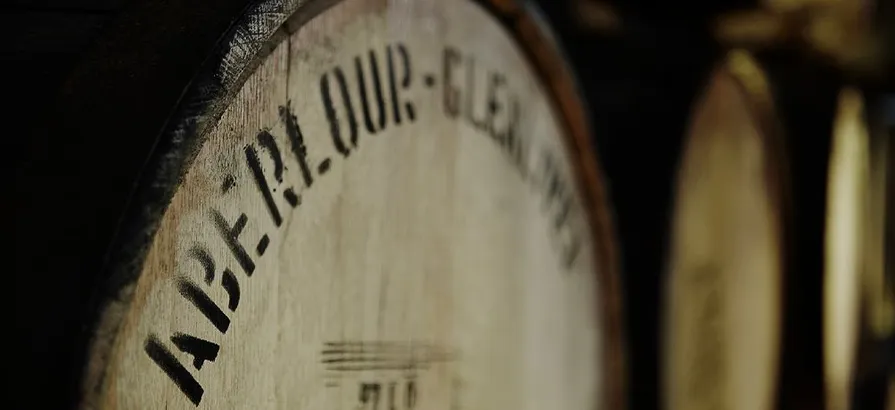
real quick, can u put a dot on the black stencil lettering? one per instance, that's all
(410, 395)
(391, 395)
(515, 145)
(451, 92)
(369, 393)
(269, 143)
(405, 82)
(231, 285)
(349, 108)
(571, 251)
(495, 83)
(555, 186)
(229, 281)
(323, 167)
(569, 241)
(393, 85)
(262, 245)
(200, 254)
(331, 114)
(175, 371)
(205, 305)
(201, 349)
(231, 238)
(261, 181)
(229, 183)
(377, 87)
(407, 367)
(290, 196)
(562, 215)
(429, 80)
(558, 199)
(298, 142)
(469, 105)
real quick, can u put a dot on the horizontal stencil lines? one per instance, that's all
(348, 356)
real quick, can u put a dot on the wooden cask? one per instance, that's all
(779, 290)
(812, 328)
(726, 259)
(359, 203)
(859, 290)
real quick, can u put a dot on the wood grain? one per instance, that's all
(427, 245)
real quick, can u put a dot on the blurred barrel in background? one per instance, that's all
(728, 249)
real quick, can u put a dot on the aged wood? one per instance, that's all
(846, 231)
(723, 307)
(388, 214)
(859, 310)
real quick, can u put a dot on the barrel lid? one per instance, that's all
(383, 202)
(727, 250)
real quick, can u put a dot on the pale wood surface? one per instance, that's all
(722, 302)
(858, 301)
(845, 242)
(431, 245)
